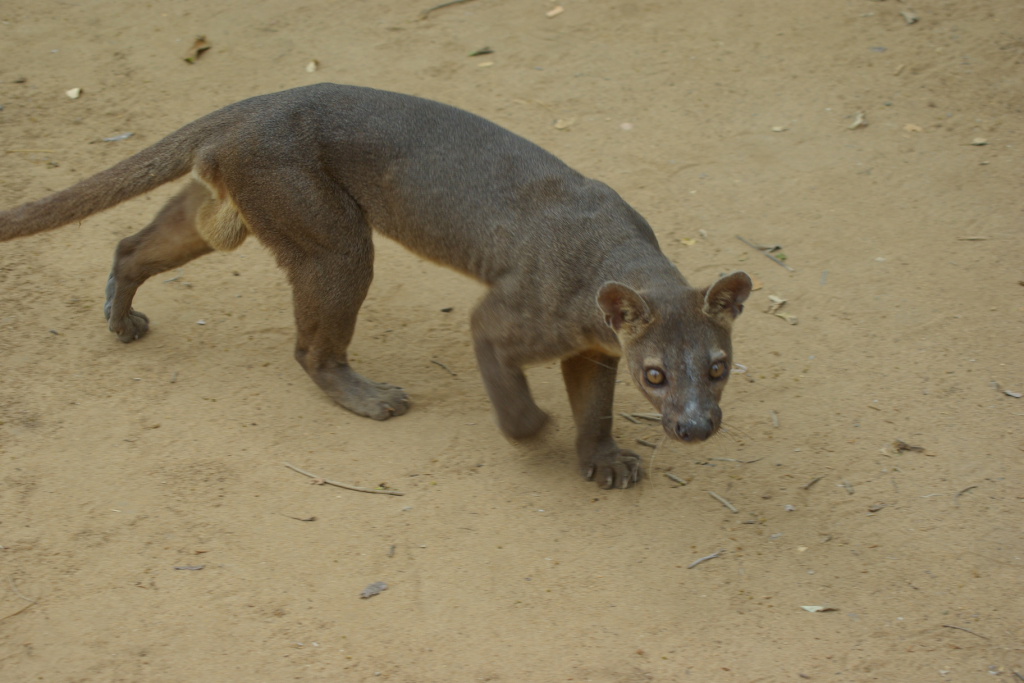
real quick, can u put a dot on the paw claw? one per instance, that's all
(613, 468)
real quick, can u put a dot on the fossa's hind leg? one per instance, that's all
(325, 246)
(328, 289)
(169, 241)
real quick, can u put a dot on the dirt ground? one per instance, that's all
(123, 465)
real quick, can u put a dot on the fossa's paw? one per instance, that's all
(524, 425)
(615, 469)
(133, 326)
(352, 391)
(378, 401)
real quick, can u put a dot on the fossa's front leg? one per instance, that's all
(590, 381)
(519, 417)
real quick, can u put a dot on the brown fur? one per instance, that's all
(574, 272)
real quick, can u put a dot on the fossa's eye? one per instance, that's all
(717, 369)
(654, 376)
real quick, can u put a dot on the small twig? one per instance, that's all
(723, 501)
(961, 628)
(442, 365)
(775, 419)
(630, 418)
(649, 444)
(812, 482)
(1018, 676)
(300, 519)
(19, 593)
(705, 559)
(742, 462)
(321, 480)
(30, 601)
(767, 253)
(426, 13)
(651, 417)
(676, 479)
(969, 488)
(17, 612)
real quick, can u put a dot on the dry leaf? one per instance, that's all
(909, 17)
(777, 303)
(818, 608)
(74, 93)
(688, 241)
(198, 47)
(911, 128)
(312, 66)
(859, 121)
(979, 142)
(554, 11)
(565, 124)
(791, 319)
(901, 446)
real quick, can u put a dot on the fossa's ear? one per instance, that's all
(624, 308)
(727, 295)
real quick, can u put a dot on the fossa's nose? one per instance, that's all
(694, 430)
(697, 428)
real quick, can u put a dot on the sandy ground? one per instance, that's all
(122, 464)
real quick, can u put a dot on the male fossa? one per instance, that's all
(574, 272)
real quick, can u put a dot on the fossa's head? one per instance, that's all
(678, 348)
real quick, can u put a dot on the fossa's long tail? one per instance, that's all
(167, 160)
